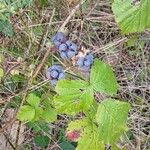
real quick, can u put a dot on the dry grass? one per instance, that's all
(95, 29)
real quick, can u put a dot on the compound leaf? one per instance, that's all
(73, 96)
(49, 114)
(26, 113)
(111, 117)
(90, 136)
(131, 17)
(77, 124)
(102, 78)
(33, 100)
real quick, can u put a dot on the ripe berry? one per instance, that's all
(68, 49)
(55, 73)
(85, 62)
(58, 39)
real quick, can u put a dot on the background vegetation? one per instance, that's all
(115, 31)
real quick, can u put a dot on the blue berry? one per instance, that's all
(68, 49)
(80, 62)
(85, 62)
(55, 73)
(63, 55)
(63, 47)
(72, 46)
(53, 82)
(61, 76)
(58, 39)
(70, 54)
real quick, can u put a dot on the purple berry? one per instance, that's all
(85, 62)
(63, 47)
(70, 54)
(55, 73)
(58, 39)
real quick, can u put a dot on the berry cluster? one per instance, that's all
(85, 62)
(58, 39)
(67, 49)
(55, 73)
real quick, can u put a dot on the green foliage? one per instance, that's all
(42, 141)
(131, 17)
(77, 124)
(65, 145)
(101, 123)
(106, 129)
(77, 95)
(90, 139)
(46, 113)
(73, 96)
(26, 113)
(102, 78)
(6, 27)
(111, 117)
(16, 4)
(49, 114)
(39, 127)
(88, 135)
(33, 100)
(7, 8)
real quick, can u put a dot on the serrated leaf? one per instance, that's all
(90, 140)
(102, 78)
(41, 141)
(131, 17)
(33, 100)
(26, 113)
(77, 124)
(73, 96)
(1, 73)
(38, 114)
(111, 117)
(49, 114)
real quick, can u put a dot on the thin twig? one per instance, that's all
(48, 50)
(71, 14)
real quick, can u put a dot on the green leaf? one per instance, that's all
(39, 126)
(33, 100)
(65, 145)
(18, 3)
(49, 114)
(38, 114)
(77, 124)
(1, 73)
(73, 96)
(26, 113)
(41, 141)
(90, 140)
(102, 78)
(111, 117)
(132, 18)
(6, 28)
